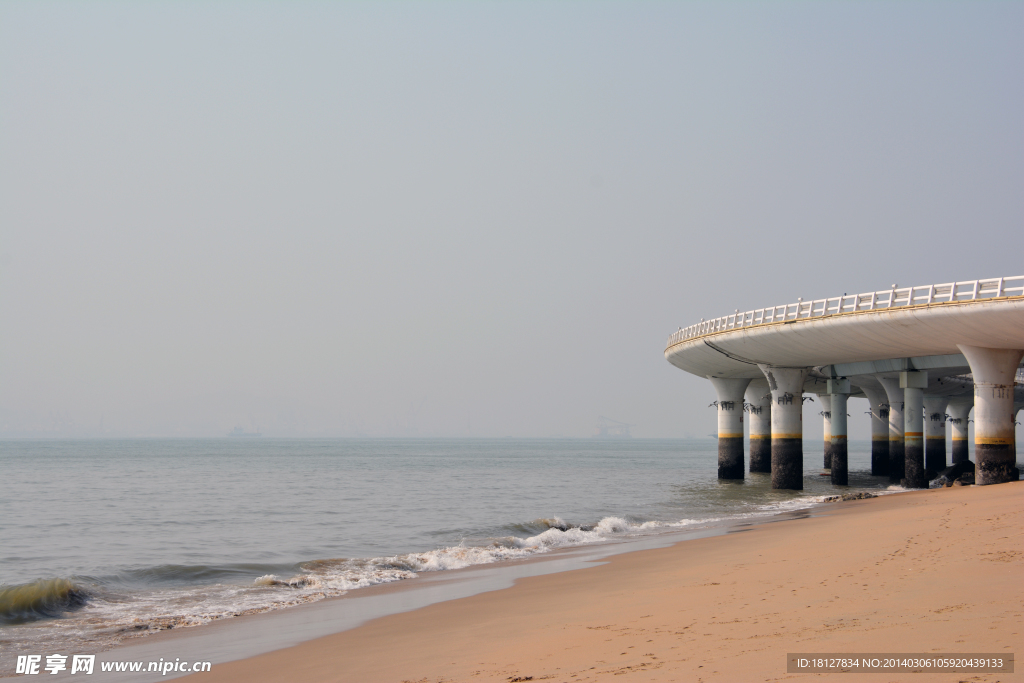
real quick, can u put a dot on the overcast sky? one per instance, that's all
(485, 219)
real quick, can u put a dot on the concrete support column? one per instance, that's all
(958, 416)
(826, 414)
(913, 385)
(759, 408)
(730, 426)
(995, 458)
(935, 432)
(878, 405)
(787, 387)
(1017, 407)
(897, 465)
(839, 390)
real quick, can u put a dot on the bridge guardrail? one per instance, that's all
(896, 297)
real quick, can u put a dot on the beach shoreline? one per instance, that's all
(255, 633)
(931, 571)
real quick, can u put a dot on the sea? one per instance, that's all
(105, 541)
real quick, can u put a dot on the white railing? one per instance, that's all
(897, 297)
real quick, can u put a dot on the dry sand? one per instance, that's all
(929, 571)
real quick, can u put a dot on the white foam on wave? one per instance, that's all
(111, 616)
(692, 522)
(791, 504)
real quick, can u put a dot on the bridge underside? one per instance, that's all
(870, 344)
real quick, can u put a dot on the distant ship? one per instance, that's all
(238, 431)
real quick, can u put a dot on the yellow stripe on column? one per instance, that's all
(787, 436)
(994, 440)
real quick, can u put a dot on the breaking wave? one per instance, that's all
(46, 598)
(341, 575)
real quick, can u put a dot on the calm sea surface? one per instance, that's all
(101, 540)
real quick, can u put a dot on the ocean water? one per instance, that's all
(106, 540)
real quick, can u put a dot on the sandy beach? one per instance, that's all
(936, 571)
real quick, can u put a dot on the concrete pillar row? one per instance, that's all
(730, 426)
(839, 392)
(759, 409)
(787, 387)
(995, 458)
(958, 419)
(897, 464)
(826, 414)
(878, 405)
(935, 432)
(913, 385)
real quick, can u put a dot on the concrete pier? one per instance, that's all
(839, 391)
(878, 405)
(935, 432)
(913, 385)
(787, 386)
(952, 344)
(897, 462)
(959, 412)
(995, 458)
(730, 426)
(759, 411)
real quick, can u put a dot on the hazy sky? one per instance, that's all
(427, 218)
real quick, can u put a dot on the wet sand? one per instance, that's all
(938, 571)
